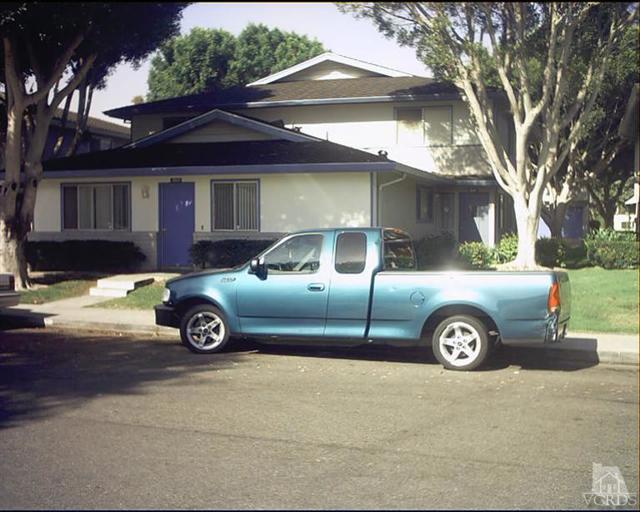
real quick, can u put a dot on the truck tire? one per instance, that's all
(204, 329)
(461, 342)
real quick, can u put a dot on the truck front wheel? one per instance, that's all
(204, 330)
(461, 342)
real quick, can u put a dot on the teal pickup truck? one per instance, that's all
(360, 285)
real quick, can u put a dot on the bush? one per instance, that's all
(435, 250)
(550, 252)
(612, 249)
(507, 249)
(225, 253)
(476, 255)
(98, 255)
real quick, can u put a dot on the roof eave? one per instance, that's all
(126, 112)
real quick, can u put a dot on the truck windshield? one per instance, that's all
(398, 251)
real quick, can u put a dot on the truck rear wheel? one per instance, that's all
(461, 342)
(204, 329)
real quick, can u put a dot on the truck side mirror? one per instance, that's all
(258, 267)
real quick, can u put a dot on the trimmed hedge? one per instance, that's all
(612, 249)
(476, 255)
(435, 250)
(95, 255)
(550, 252)
(225, 253)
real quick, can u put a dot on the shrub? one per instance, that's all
(435, 250)
(612, 249)
(225, 253)
(507, 249)
(95, 255)
(550, 252)
(476, 255)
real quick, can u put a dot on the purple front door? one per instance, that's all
(177, 223)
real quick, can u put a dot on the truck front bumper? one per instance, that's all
(166, 315)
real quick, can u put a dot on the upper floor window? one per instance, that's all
(299, 253)
(234, 205)
(427, 126)
(100, 206)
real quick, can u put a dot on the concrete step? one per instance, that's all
(108, 292)
(127, 283)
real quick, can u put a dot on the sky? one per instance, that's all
(339, 33)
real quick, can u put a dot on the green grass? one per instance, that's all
(604, 300)
(57, 291)
(142, 298)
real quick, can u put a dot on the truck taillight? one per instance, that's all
(553, 303)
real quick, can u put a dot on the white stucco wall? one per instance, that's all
(287, 201)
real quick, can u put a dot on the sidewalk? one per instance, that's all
(72, 314)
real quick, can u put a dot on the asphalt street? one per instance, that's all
(108, 421)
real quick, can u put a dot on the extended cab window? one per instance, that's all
(298, 254)
(398, 251)
(351, 253)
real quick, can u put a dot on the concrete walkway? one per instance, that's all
(73, 314)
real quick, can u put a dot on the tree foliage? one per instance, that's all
(206, 59)
(49, 51)
(535, 53)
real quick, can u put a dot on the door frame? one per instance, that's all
(160, 248)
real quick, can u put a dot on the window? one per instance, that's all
(297, 254)
(424, 204)
(410, 127)
(351, 253)
(428, 126)
(438, 129)
(234, 205)
(398, 251)
(104, 206)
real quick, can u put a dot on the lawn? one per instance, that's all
(57, 291)
(142, 298)
(604, 300)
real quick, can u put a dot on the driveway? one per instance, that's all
(99, 421)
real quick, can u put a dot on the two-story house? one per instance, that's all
(332, 141)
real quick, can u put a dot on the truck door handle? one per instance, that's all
(315, 287)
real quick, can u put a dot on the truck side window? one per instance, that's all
(351, 253)
(298, 254)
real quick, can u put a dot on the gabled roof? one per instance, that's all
(311, 92)
(227, 117)
(330, 57)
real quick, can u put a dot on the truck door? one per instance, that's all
(291, 299)
(354, 263)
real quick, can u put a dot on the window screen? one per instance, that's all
(103, 206)
(351, 253)
(235, 205)
(410, 129)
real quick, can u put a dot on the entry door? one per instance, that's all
(177, 223)
(291, 300)
(474, 217)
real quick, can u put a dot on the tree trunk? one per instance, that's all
(527, 222)
(12, 255)
(554, 217)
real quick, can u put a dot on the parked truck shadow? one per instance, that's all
(523, 357)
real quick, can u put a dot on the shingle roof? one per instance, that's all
(262, 152)
(326, 91)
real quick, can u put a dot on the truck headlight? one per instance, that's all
(166, 294)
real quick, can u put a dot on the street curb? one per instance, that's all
(614, 357)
